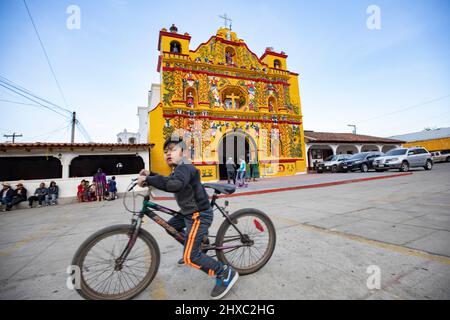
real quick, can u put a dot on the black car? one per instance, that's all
(362, 161)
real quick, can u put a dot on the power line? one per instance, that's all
(45, 53)
(20, 94)
(408, 108)
(17, 102)
(60, 128)
(20, 91)
(25, 90)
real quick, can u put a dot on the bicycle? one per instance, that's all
(245, 240)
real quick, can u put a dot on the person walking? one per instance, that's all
(231, 170)
(241, 173)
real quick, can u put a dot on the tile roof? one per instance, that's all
(346, 138)
(38, 145)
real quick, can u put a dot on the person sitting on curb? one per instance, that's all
(39, 195)
(6, 196)
(53, 192)
(80, 191)
(20, 194)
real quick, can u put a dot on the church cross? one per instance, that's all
(233, 98)
(226, 19)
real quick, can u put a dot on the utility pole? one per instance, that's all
(13, 136)
(74, 122)
(354, 127)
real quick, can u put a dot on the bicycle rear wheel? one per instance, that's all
(100, 278)
(250, 252)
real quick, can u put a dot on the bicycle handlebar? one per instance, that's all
(134, 184)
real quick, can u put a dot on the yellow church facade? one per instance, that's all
(227, 102)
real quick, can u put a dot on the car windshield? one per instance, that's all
(358, 156)
(396, 152)
(331, 158)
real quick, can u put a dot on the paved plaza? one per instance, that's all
(329, 240)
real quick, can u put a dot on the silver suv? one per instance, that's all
(403, 159)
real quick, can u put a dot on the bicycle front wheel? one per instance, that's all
(102, 278)
(249, 250)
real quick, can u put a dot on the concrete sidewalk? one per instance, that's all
(327, 240)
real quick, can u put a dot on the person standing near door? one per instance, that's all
(241, 172)
(231, 170)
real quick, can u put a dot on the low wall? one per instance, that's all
(68, 187)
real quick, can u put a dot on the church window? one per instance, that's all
(277, 64)
(175, 47)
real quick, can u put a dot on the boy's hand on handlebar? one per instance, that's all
(141, 181)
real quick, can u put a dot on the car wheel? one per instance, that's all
(429, 165)
(448, 159)
(404, 167)
(334, 169)
(364, 168)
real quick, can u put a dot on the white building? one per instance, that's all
(154, 97)
(320, 145)
(128, 137)
(68, 163)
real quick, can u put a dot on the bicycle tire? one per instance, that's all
(88, 293)
(235, 217)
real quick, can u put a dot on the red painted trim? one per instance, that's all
(311, 186)
(231, 43)
(223, 75)
(228, 119)
(177, 53)
(267, 53)
(158, 68)
(212, 163)
(282, 160)
(202, 44)
(172, 35)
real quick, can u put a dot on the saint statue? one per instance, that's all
(270, 106)
(190, 100)
(229, 58)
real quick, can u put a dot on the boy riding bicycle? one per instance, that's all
(196, 213)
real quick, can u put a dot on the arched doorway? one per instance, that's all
(235, 144)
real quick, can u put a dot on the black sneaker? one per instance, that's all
(224, 282)
(180, 262)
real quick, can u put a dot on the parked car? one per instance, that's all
(362, 161)
(404, 159)
(332, 163)
(438, 156)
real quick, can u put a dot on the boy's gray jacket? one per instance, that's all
(185, 182)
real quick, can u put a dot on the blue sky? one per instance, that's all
(389, 81)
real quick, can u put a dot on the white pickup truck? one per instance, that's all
(439, 157)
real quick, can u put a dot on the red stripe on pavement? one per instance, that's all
(310, 186)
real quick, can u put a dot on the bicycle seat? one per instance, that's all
(221, 188)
